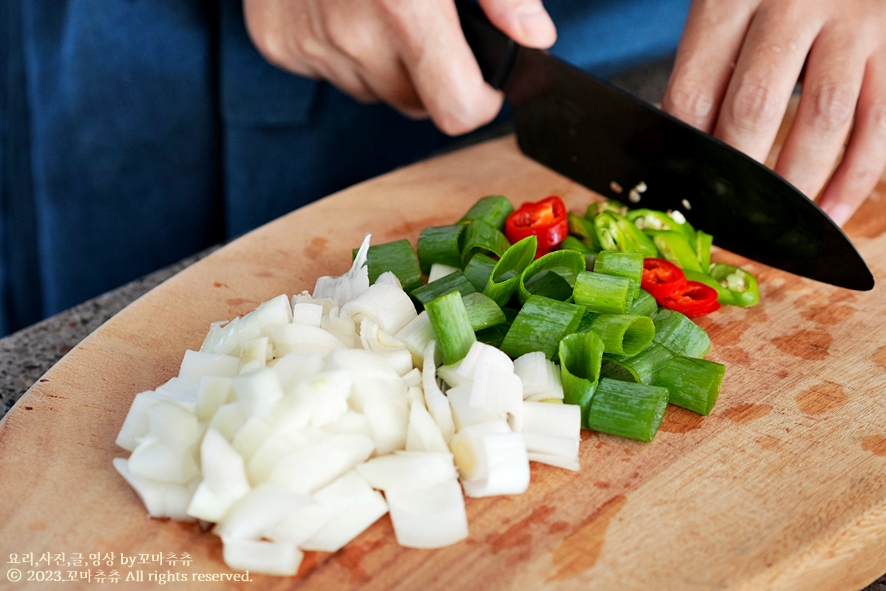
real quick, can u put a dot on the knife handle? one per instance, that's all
(495, 52)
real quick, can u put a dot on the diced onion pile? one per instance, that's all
(284, 427)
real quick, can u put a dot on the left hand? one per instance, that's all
(738, 64)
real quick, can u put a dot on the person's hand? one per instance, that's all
(738, 64)
(410, 54)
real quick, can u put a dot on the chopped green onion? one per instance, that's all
(741, 285)
(644, 304)
(605, 294)
(492, 209)
(627, 409)
(440, 244)
(494, 335)
(622, 264)
(692, 383)
(674, 247)
(580, 357)
(449, 317)
(586, 321)
(449, 283)
(479, 269)
(562, 265)
(397, 257)
(539, 326)
(642, 367)
(482, 237)
(483, 312)
(680, 334)
(623, 334)
(506, 274)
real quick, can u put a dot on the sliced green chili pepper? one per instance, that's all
(703, 243)
(607, 205)
(616, 232)
(583, 228)
(741, 284)
(674, 248)
(724, 296)
(651, 219)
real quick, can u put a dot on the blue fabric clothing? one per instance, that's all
(138, 132)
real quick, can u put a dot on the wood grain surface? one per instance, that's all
(783, 486)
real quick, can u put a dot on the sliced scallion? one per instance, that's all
(492, 209)
(622, 264)
(539, 326)
(680, 335)
(561, 266)
(479, 269)
(396, 256)
(623, 334)
(505, 275)
(480, 236)
(644, 304)
(692, 383)
(605, 294)
(440, 244)
(483, 312)
(627, 409)
(452, 282)
(580, 357)
(641, 368)
(449, 317)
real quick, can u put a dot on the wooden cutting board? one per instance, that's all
(783, 486)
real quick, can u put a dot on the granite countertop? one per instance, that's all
(26, 355)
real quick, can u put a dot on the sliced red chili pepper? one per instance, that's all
(662, 278)
(546, 219)
(697, 299)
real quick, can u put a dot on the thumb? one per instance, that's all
(525, 21)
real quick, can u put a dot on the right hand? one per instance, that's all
(410, 54)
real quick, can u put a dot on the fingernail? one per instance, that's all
(840, 212)
(538, 28)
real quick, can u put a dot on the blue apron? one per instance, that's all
(138, 132)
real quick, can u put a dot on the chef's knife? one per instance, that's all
(612, 142)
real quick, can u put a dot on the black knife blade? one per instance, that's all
(612, 142)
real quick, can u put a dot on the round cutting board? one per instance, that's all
(783, 486)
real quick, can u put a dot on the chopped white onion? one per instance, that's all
(428, 518)
(386, 304)
(307, 313)
(270, 558)
(408, 469)
(195, 365)
(437, 402)
(416, 335)
(540, 376)
(162, 500)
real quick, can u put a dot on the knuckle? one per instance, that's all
(690, 102)
(831, 106)
(877, 116)
(754, 106)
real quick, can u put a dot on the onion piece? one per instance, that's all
(540, 376)
(465, 414)
(259, 511)
(224, 479)
(386, 304)
(257, 392)
(315, 465)
(408, 469)
(423, 433)
(346, 287)
(307, 313)
(196, 364)
(160, 499)
(355, 505)
(213, 393)
(294, 367)
(483, 355)
(416, 335)
(254, 354)
(429, 518)
(435, 400)
(154, 460)
(304, 338)
(269, 558)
